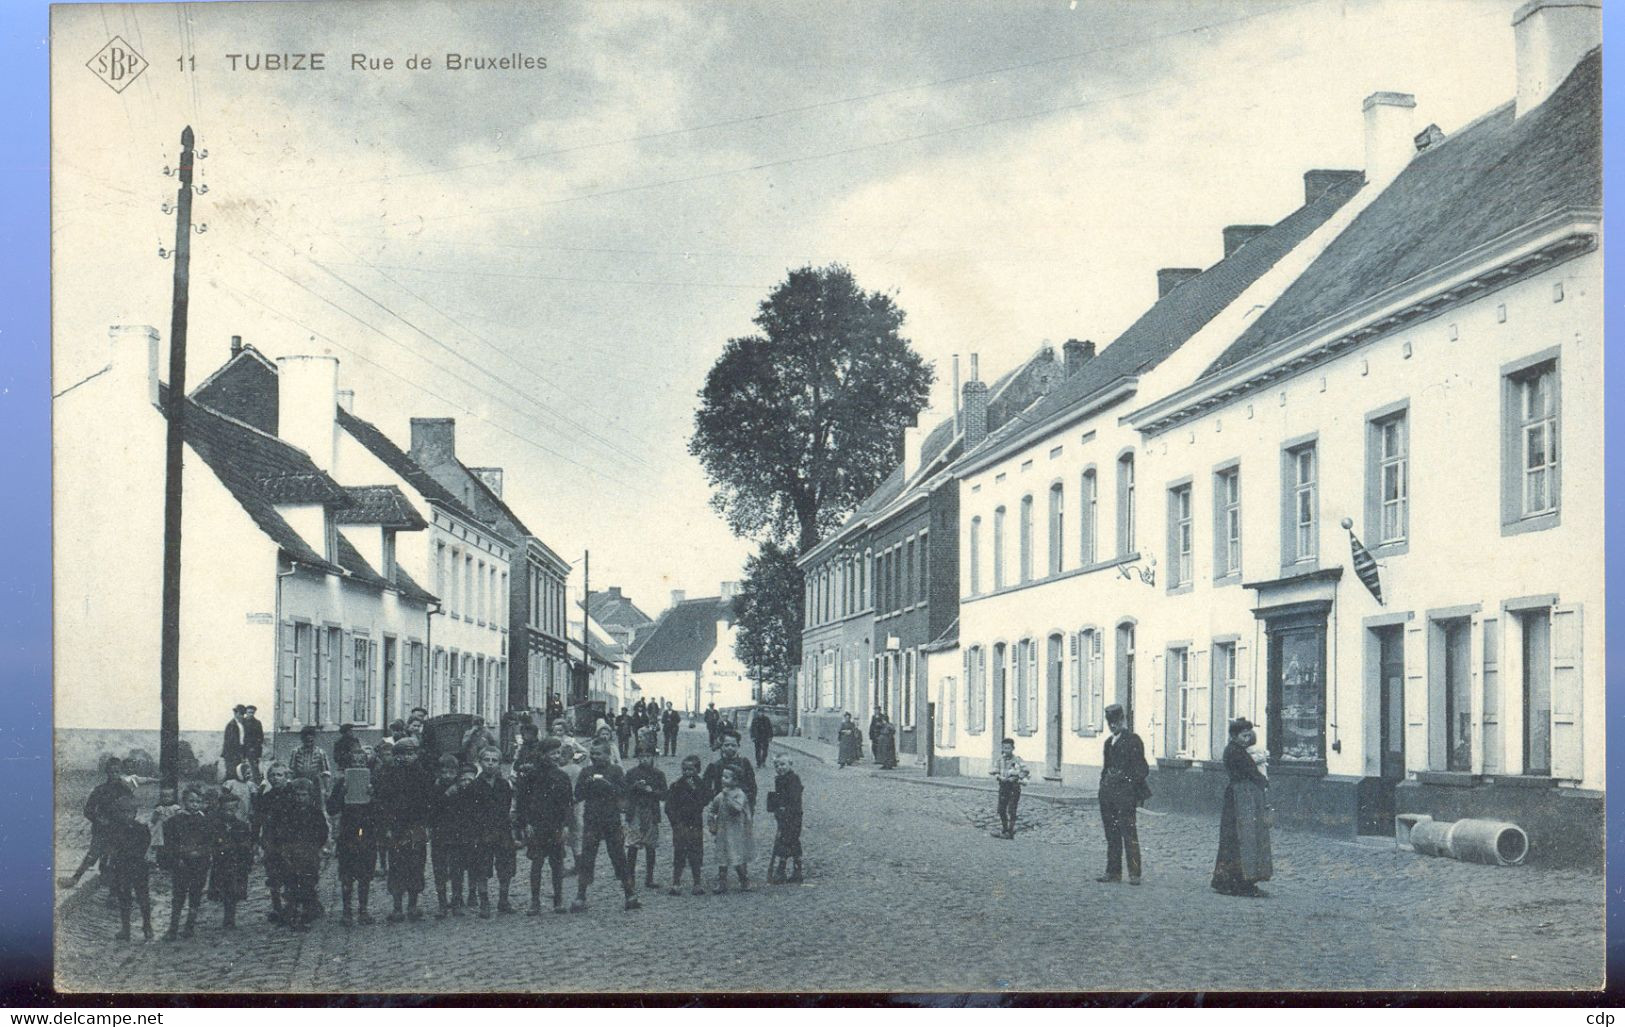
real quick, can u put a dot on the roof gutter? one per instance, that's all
(1084, 407)
(1492, 265)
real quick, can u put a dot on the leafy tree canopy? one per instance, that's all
(769, 615)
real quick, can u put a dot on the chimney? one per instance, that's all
(911, 449)
(957, 425)
(1389, 136)
(1236, 236)
(1170, 278)
(133, 358)
(434, 440)
(614, 592)
(677, 596)
(1078, 352)
(490, 477)
(1549, 38)
(1318, 180)
(730, 589)
(236, 344)
(307, 396)
(1429, 137)
(975, 411)
(347, 400)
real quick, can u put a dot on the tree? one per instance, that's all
(768, 613)
(801, 421)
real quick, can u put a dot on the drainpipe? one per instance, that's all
(428, 647)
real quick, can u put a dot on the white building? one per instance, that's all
(275, 553)
(689, 657)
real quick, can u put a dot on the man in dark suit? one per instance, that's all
(231, 749)
(713, 721)
(670, 722)
(761, 735)
(253, 739)
(1122, 788)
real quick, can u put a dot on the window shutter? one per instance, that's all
(1475, 690)
(1199, 719)
(1493, 740)
(1218, 695)
(1247, 704)
(1566, 694)
(346, 683)
(1416, 696)
(1097, 683)
(287, 696)
(310, 705)
(1159, 698)
(1075, 671)
(374, 670)
(1033, 672)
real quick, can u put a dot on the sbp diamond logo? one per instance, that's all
(117, 64)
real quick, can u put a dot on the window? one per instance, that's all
(1088, 503)
(1537, 691)
(1125, 504)
(923, 593)
(998, 548)
(361, 684)
(1531, 470)
(950, 711)
(1026, 696)
(1232, 690)
(973, 554)
(1057, 534)
(1088, 692)
(1390, 478)
(1457, 685)
(1125, 672)
(1226, 523)
(905, 711)
(908, 573)
(975, 690)
(1190, 700)
(1179, 536)
(1300, 537)
(1026, 538)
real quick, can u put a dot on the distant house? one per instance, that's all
(689, 658)
(620, 616)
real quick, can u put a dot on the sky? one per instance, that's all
(555, 257)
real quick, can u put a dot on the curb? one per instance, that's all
(784, 743)
(960, 784)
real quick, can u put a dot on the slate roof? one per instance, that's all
(1170, 322)
(612, 609)
(684, 636)
(383, 505)
(395, 458)
(1488, 179)
(302, 487)
(243, 387)
(244, 458)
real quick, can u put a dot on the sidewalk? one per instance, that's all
(914, 773)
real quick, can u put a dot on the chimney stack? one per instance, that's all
(913, 435)
(347, 400)
(434, 440)
(975, 411)
(1237, 236)
(133, 358)
(236, 344)
(1318, 180)
(957, 424)
(1429, 137)
(1170, 278)
(1390, 136)
(1078, 352)
(730, 589)
(307, 396)
(490, 477)
(677, 596)
(1549, 38)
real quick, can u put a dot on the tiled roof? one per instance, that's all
(684, 636)
(1490, 178)
(612, 609)
(1180, 314)
(243, 387)
(383, 505)
(302, 487)
(640, 635)
(243, 458)
(395, 458)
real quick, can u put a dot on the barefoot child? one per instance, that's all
(729, 819)
(784, 802)
(645, 788)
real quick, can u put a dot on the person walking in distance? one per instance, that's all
(761, 735)
(670, 721)
(1010, 772)
(713, 722)
(1123, 788)
(253, 739)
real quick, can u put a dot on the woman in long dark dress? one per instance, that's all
(1244, 830)
(885, 743)
(850, 741)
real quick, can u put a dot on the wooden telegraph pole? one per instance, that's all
(169, 730)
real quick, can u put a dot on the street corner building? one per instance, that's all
(1341, 483)
(687, 656)
(328, 576)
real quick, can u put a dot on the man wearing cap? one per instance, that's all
(344, 749)
(1122, 788)
(253, 739)
(231, 749)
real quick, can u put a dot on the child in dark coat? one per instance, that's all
(645, 788)
(273, 795)
(686, 800)
(356, 841)
(294, 832)
(544, 802)
(784, 802)
(403, 800)
(447, 838)
(188, 847)
(487, 800)
(601, 789)
(232, 859)
(124, 843)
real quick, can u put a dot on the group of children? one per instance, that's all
(413, 819)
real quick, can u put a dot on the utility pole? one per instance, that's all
(586, 594)
(169, 673)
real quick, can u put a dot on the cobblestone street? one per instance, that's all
(908, 891)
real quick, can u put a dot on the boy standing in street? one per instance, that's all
(686, 800)
(1010, 772)
(188, 847)
(601, 790)
(232, 859)
(645, 788)
(784, 802)
(447, 838)
(544, 801)
(403, 798)
(487, 800)
(125, 840)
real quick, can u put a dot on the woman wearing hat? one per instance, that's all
(1244, 829)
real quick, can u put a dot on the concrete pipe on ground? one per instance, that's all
(1492, 842)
